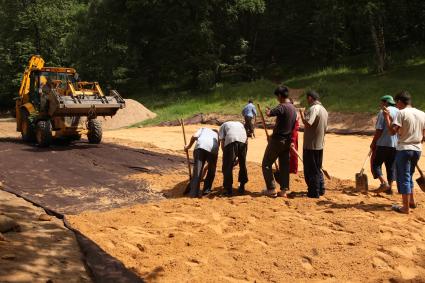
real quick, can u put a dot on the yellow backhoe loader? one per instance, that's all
(54, 102)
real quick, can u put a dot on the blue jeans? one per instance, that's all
(406, 161)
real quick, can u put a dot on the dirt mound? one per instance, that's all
(134, 112)
(339, 123)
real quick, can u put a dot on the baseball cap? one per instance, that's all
(389, 99)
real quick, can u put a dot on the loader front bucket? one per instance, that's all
(89, 105)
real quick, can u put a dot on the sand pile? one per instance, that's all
(344, 236)
(134, 112)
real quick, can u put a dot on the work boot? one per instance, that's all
(228, 192)
(206, 192)
(382, 188)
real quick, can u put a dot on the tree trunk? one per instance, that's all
(377, 32)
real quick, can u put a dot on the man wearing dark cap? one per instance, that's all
(280, 142)
(409, 124)
(315, 121)
(383, 147)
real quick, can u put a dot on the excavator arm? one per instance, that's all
(35, 63)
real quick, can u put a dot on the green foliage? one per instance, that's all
(341, 89)
(156, 46)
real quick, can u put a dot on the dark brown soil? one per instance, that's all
(71, 178)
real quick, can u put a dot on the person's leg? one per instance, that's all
(212, 164)
(316, 173)
(284, 165)
(378, 160)
(403, 178)
(228, 157)
(310, 173)
(414, 161)
(390, 167)
(270, 156)
(319, 163)
(243, 172)
(248, 126)
(199, 161)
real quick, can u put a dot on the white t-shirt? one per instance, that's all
(412, 124)
(207, 140)
(232, 132)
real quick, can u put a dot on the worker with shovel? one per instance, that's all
(206, 150)
(233, 140)
(383, 147)
(410, 125)
(279, 144)
(315, 121)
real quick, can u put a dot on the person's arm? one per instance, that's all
(193, 139)
(308, 119)
(392, 127)
(376, 137)
(222, 144)
(379, 129)
(268, 112)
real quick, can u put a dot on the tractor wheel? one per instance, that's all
(27, 127)
(43, 133)
(95, 131)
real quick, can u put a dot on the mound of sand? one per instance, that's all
(134, 112)
(342, 236)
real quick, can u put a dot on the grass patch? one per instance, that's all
(342, 89)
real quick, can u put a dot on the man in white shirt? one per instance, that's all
(233, 140)
(206, 150)
(410, 125)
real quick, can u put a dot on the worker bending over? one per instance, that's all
(233, 140)
(206, 150)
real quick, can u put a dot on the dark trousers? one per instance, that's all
(249, 126)
(201, 156)
(384, 154)
(276, 150)
(313, 175)
(230, 153)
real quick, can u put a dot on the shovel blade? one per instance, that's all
(421, 183)
(361, 182)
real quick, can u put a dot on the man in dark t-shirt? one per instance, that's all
(280, 142)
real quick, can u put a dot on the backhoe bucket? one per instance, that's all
(89, 105)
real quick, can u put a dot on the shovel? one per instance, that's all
(276, 173)
(421, 180)
(187, 190)
(361, 178)
(323, 170)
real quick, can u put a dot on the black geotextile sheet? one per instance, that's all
(69, 179)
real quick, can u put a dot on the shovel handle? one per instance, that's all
(265, 129)
(299, 156)
(187, 153)
(420, 171)
(364, 163)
